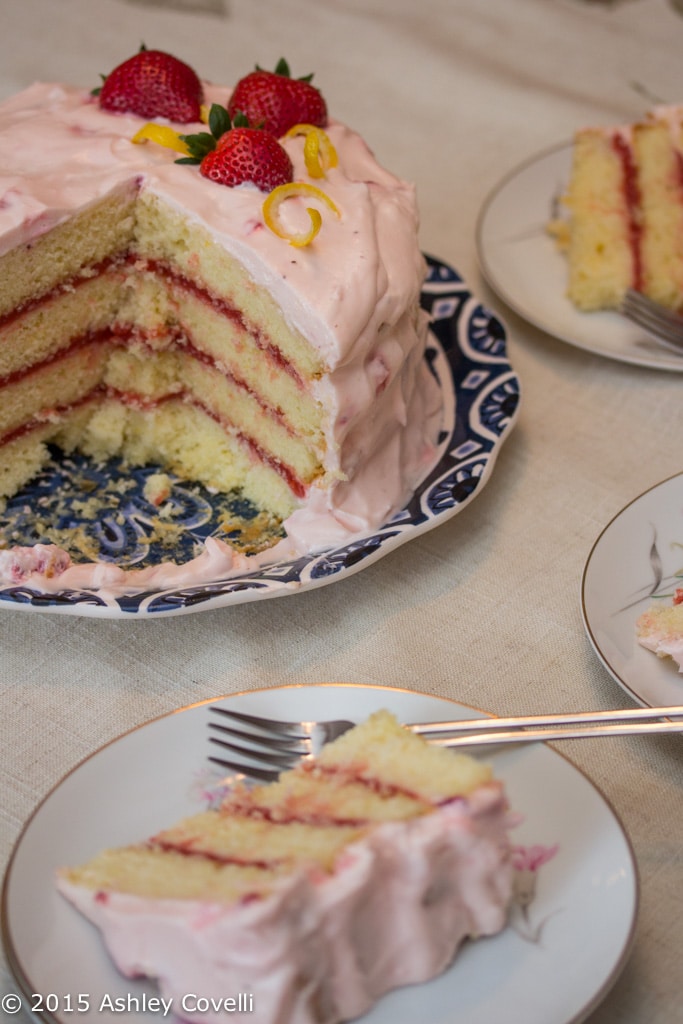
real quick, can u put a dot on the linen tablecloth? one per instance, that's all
(451, 94)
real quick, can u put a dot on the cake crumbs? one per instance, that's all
(109, 511)
(157, 488)
(254, 535)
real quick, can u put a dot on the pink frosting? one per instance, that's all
(352, 292)
(664, 644)
(395, 911)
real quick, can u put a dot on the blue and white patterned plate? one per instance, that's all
(467, 352)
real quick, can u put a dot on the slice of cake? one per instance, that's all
(625, 206)
(660, 629)
(358, 872)
(252, 323)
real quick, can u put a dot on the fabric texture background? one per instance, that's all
(486, 609)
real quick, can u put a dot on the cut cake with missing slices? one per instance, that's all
(151, 313)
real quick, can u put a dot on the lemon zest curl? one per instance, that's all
(162, 135)
(319, 153)
(279, 195)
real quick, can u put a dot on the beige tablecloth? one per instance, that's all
(486, 609)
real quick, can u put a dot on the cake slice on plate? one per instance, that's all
(660, 629)
(625, 212)
(353, 874)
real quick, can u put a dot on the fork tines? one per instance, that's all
(267, 750)
(268, 726)
(664, 323)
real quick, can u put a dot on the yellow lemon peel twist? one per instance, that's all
(275, 199)
(162, 135)
(319, 153)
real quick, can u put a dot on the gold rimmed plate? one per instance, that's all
(581, 907)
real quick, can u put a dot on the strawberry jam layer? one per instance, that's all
(221, 306)
(92, 339)
(121, 335)
(633, 200)
(145, 404)
(117, 264)
(57, 414)
(187, 850)
(114, 264)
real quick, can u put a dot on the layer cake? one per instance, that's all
(149, 312)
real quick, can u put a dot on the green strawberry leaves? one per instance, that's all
(282, 68)
(202, 143)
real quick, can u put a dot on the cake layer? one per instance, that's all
(261, 367)
(165, 235)
(192, 445)
(252, 841)
(36, 255)
(658, 154)
(226, 399)
(23, 457)
(152, 872)
(67, 379)
(52, 325)
(23, 454)
(601, 254)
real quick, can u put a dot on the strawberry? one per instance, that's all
(234, 153)
(248, 154)
(275, 101)
(153, 84)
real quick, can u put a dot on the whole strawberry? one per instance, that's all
(153, 84)
(275, 101)
(234, 154)
(248, 154)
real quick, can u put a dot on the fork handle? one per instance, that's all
(561, 733)
(533, 721)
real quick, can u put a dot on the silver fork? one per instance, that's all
(662, 323)
(265, 747)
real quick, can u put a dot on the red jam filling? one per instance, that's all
(633, 205)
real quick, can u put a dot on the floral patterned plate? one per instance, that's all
(636, 561)
(467, 353)
(576, 897)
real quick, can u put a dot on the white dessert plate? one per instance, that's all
(467, 352)
(523, 265)
(577, 857)
(635, 560)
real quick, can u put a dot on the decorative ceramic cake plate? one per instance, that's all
(467, 352)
